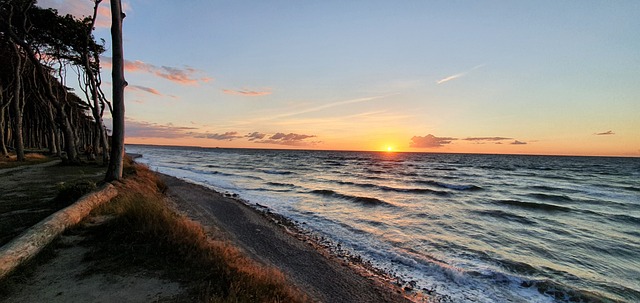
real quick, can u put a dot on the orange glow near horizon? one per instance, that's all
(533, 148)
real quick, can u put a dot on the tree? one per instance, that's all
(16, 105)
(36, 46)
(114, 171)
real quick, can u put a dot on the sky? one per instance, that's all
(506, 77)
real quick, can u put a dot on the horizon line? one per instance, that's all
(388, 152)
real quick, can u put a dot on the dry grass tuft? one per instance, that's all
(146, 232)
(31, 158)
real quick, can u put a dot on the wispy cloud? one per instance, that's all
(145, 89)
(184, 76)
(516, 142)
(290, 139)
(228, 136)
(255, 136)
(81, 9)
(246, 92)
(143, 129)
(449, 78)
(486, 139)
(458, 75)
(430, 141)
(607, 133)
(329, 105)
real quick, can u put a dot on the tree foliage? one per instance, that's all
(38, 47)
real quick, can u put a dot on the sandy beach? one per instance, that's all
(324, 278)
(266, 239)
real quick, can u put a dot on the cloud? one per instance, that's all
(81, 9)
(143, 129)
(228, 136)
(458, 75)
(430, 141)
(145, 89)
(290, 139)
(486, 139)
(607, 133)
(184, 76)
(317, 108)
(516, 142)
(248, 93)
(255, 136)
(447, 79)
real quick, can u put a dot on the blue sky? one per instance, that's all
(560, 76)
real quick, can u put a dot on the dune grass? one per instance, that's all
(31, 158)
(145, 233)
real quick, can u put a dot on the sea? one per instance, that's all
(455, 227)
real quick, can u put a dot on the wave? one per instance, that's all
(632, 188)
(276, 172)
(563, 293)
(358, 199)
(278, 184)
(549, 197)
(505, 216)
(333, 163)
(445, 168)
(546, 188)
(375, 171)
(534, 205)
(448, 185)
(396, 189)
(625, 219)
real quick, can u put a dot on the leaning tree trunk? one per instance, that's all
(67, 129)
(55, 147)
(114, 171)
(3, 146)
(16, 107)
(100, 142)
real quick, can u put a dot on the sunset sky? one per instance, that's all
(532, 77)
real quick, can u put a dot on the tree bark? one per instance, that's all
(32, 241)
(67, 129)
(3, 146)
(16, 106)
(114, 171)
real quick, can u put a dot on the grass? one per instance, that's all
(145, 233)
(31, 159)
(27, 196)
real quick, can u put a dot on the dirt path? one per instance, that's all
(61, 273)
(324, 279)
(26, 193)
(65, 277)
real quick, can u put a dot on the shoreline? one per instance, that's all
(273, 239)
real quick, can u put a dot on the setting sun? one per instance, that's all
(389, 148)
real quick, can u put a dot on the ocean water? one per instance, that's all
(460, 227)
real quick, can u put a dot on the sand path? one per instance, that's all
(324, 279)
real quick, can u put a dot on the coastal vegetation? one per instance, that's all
(139, 231)
(144, 232)
(40, 51)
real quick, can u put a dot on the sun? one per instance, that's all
(389, 148)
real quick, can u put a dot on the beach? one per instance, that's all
(65, 272)
(324, 277)
(489, 228)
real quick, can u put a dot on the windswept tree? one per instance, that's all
(49, 44)
(114, 171)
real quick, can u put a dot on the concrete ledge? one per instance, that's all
(33, 240)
